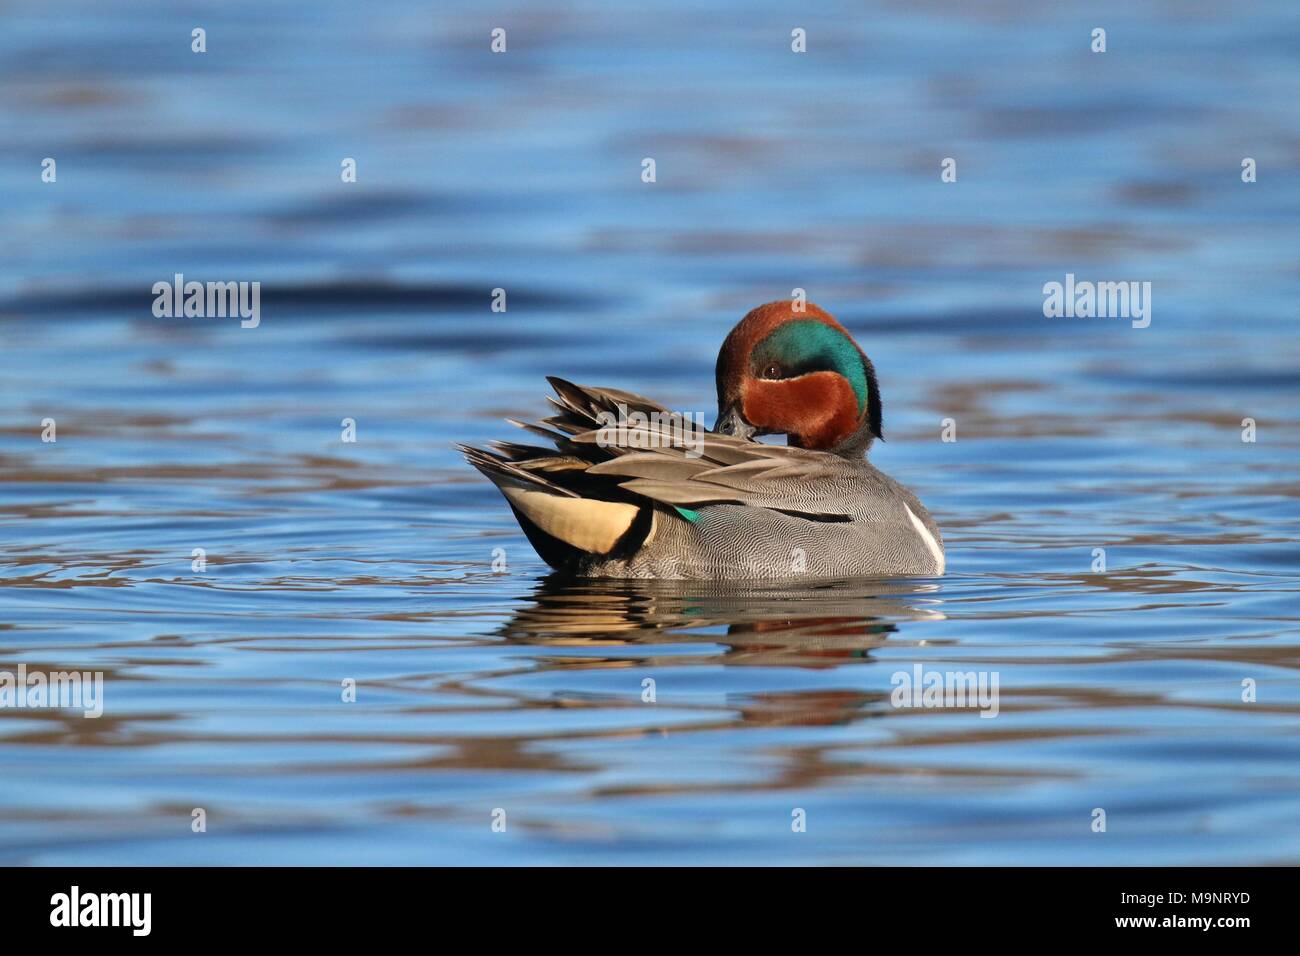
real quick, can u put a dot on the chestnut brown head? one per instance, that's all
(799, 374)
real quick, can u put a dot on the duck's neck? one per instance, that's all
(856, 445)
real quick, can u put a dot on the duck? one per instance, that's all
(626, 488)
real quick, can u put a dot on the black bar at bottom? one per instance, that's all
(301, 904)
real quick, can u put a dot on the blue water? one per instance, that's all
(371, 561)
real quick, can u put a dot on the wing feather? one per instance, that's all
(663, 458)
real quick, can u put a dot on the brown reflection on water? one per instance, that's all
(764, 624)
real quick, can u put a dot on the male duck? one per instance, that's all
(631, 490)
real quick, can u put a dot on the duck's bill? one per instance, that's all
(734, 424)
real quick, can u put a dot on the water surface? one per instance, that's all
(372, 561)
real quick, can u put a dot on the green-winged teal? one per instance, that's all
(632, 490)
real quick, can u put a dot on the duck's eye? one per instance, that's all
(772, 370)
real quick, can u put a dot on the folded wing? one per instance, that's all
(615, 457)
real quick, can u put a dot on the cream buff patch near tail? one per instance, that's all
(587, 524)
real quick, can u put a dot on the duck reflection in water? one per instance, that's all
(762, 625)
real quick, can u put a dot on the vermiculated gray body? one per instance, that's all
(695, 505)
(742, 542)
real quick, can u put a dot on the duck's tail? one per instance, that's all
(563, 524)
(567, 513)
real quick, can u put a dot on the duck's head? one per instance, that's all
(799, 374)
